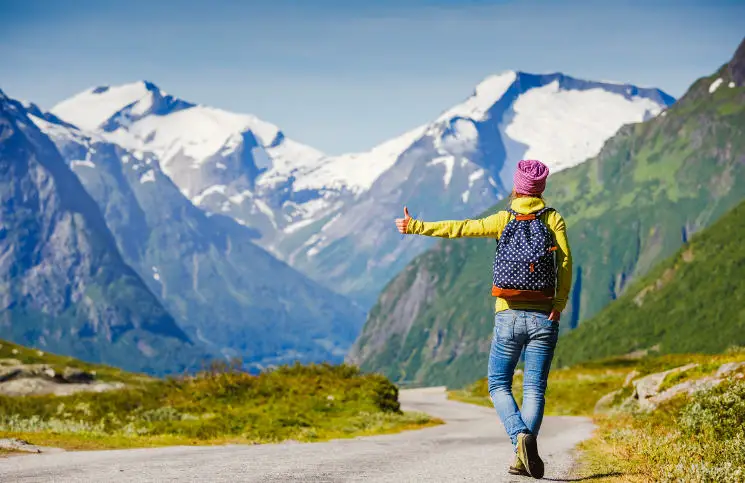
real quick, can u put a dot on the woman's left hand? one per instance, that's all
(554, 316)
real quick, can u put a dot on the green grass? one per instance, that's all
(219, 405)
(571, 391)
(692, 302)
(701, 438)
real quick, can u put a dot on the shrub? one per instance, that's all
(718, 413)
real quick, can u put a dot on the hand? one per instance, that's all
(403, 223)
(554, 316)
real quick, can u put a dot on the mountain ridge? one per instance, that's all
(651, 187)
(204, 266)
(61, 272)
(308, 207)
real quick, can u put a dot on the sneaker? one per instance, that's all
(518, 468)
(527, 451)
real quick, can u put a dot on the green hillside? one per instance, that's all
(652, 185)
(692, 302)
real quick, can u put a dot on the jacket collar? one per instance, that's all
(528, 204)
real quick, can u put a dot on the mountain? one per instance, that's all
(223, 289)
(328, 216)
(700, 290)
(64, 287)
(651, 187)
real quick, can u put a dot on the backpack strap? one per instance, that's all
(529, 216)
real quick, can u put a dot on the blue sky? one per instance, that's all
(344, 76)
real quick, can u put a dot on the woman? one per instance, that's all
(525, 319)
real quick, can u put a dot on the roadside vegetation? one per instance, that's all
(690, 436)
(218, 405)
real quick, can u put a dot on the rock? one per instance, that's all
(71, 374)
(15, 444)
(728, 368)
(647, 395)
(605, 403)
(630, 377)
(36, 386)
(648, 387)
(8, 372)
(687, 387)
(10, 362)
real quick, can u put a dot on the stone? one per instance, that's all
(605, 403)
(630, 377)
(71, 374)
(15, 444)
(649, 386)
(728, 368)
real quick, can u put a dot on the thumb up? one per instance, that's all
(403, 223)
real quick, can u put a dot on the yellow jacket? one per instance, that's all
(492, 227)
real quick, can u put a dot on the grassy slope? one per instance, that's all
(219, 405)
(652, 185)
(694, 301)
(573, 391)
(25, 355)
(690, 438)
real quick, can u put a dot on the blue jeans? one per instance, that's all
(513, 331)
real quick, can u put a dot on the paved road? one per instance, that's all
(472, 446)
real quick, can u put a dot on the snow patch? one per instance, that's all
(448, 161)
(565, 127)
(331, 222)
(298, 225)
(357, 171)
(472, 178)
(84, 162)
(238, 198)
(148, 177)
(475, 176)
(218, 188)
(264, 208)
(715, 85)
(89, 110)
(487, 93)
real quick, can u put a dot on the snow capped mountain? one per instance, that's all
(329, 216)
(223, 289)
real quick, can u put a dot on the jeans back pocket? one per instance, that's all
(504, 325)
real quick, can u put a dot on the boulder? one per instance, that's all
(15, 444)
(71, 374)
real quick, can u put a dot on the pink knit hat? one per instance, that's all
(530, 177)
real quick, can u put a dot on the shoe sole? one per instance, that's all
(515, 471)
(529, 455)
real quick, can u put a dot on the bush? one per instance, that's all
(718, 413)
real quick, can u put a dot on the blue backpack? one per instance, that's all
(524, 263)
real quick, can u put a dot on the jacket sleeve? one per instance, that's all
(489, 227)
(563, 262)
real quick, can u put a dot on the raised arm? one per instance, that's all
(489, 227)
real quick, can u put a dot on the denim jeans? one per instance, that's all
(513, 331)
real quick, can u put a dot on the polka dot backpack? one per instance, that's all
(524, 263)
